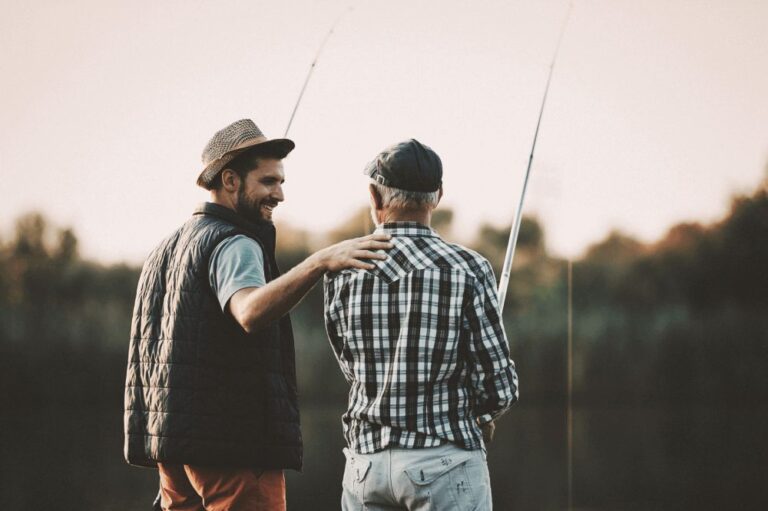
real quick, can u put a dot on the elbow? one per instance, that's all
(514, 393)
(505, 403)
(250, 324)
(249, 320)
(505, 399)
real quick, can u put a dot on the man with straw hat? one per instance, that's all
(210, 396)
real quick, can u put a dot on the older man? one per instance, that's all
(421, 342)
(210, 396)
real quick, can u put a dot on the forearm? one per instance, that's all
(255, 307)
(258, 307)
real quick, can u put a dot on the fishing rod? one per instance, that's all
(569, 385)
(312, 68)
(506, 269)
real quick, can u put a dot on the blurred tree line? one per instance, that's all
(680, 320)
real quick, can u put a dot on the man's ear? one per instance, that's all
(378, 202)
(439, 194)
(230, 181)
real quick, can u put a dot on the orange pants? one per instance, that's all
(195, 488)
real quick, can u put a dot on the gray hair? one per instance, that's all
(405, 199)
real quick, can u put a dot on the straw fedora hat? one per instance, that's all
(233, 140)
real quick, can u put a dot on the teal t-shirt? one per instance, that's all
(236, 263)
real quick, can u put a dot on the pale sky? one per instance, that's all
(658, 110)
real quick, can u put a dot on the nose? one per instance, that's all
(278, 193)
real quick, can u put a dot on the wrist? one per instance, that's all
(316, 263)
(484, 419)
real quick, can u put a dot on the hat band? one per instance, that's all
(249, 142)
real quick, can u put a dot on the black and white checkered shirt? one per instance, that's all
(421, 342)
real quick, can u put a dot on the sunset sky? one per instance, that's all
(658, 110)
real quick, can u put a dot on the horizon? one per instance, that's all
(317, 240)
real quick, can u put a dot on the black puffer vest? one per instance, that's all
(199, 390)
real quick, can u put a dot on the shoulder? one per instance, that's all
(238, 242)
(161, 255)
(208, 232)
(166, 243)
(350, 280)
(342, 277)
(467, 260)
(238, 249)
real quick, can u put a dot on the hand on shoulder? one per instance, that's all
(354, 252)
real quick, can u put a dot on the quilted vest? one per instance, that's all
(200, 390)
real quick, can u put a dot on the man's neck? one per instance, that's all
(222, 200)
(421, 216)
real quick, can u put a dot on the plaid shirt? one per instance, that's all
(422, 344)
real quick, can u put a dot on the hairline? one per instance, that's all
(398, 198)
(253, 157)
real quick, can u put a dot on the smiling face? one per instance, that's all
(261, 191)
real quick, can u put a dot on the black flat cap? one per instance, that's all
(408, 165)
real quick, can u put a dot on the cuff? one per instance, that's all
(484, 419)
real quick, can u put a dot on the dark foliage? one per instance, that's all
(681, 320)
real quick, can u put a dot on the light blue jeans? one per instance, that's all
(433, 478)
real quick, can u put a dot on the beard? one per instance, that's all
(250, 210)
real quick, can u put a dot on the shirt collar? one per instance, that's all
(405, 229)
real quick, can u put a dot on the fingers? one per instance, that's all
(357, 259)
(362, 265)
(377, 245)
(373, 244)
(377, 236)
(488, 430)
(354, 253)
(367, 254)
(363, 247)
